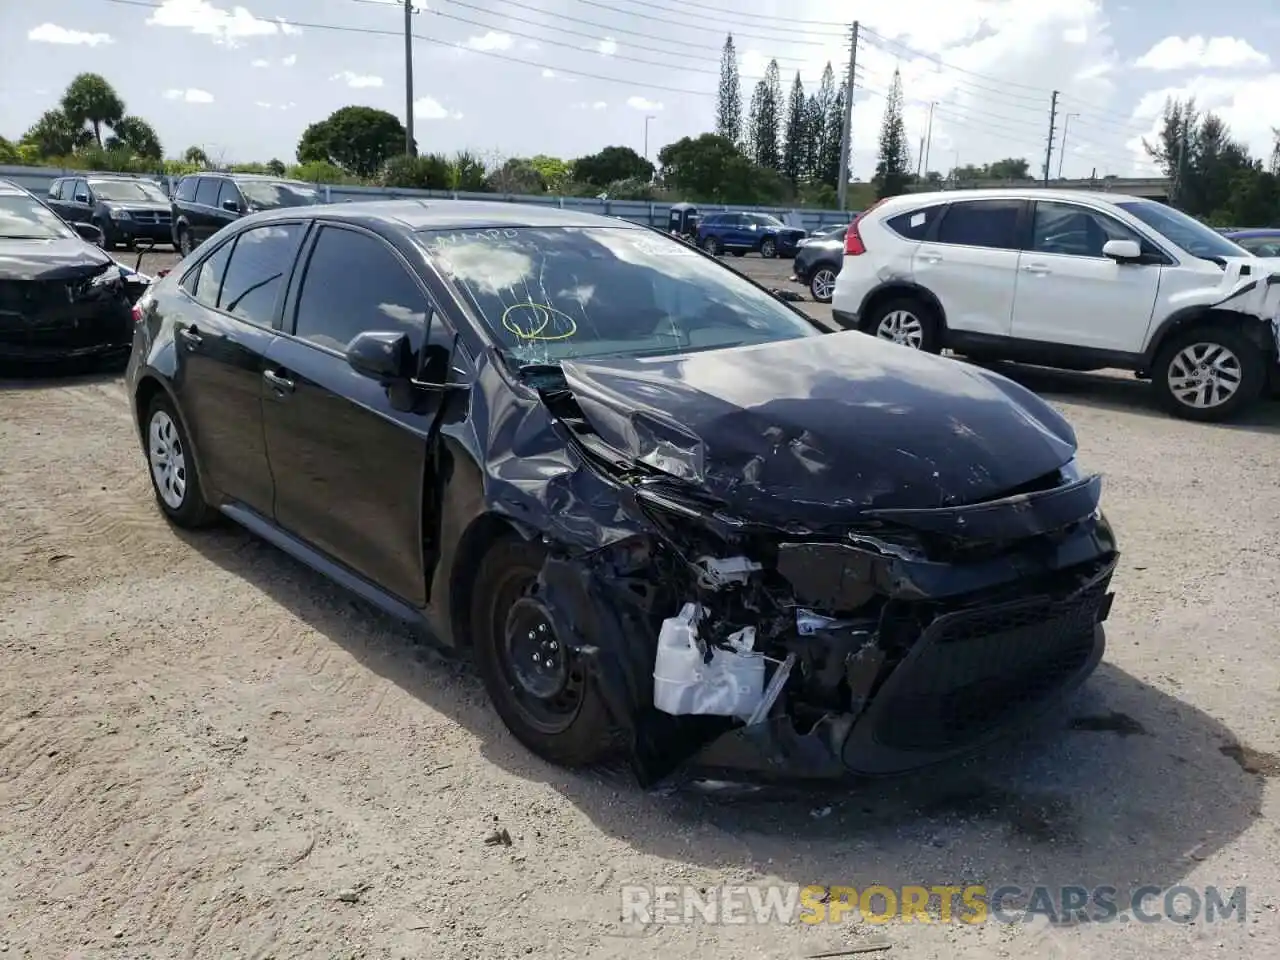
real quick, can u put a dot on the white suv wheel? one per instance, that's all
(1204, 375)
(902, 327)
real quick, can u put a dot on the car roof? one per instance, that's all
(10, 189)
(1007, 193)
(232, 175)
(430, 214)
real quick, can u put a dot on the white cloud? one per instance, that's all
(52, 33)
(1234, 100)
(290, 60)
(357, 81)
(599, 105)
(222, 26)
(607, 47)
(587, 105)
(189, 95)
(491, 41)
(640, 103)
(1199, 53)
(429, 108)
(548, 74)
(274, 106)
(261, 63)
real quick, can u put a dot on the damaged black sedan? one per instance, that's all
(668, 515)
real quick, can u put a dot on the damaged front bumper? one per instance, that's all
(912, 640)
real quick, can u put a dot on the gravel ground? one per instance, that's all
(208, 751)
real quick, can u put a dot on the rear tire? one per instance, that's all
(185, 244)
(1208, 374)
(822, 285)
(553, 708)
(907, 321)
(171, 463)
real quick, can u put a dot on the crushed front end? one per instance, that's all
(738, 643)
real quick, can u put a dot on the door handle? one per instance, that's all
(931, 257)
(283, 384)
(190, 335)
(1037, 268)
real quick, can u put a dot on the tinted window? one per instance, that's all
(54, 188)
(1184, 231)
(332, 309)
(187, 189)
(207, 192)
(138, 191)
(67, 191)
(1261, 246)
(81, 191)
(207, 282)
(550, 294)
(270, 194)
(982, 223)
(26, 217)
(227, 192)
(1071, 230)
(764, 220)
(914, 224)
(259, 265)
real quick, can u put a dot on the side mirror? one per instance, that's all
(1122, 250)
(385, 356)
(88, 232)
(231, 205)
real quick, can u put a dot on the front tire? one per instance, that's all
(171, 462)
(1208, 374)
(185, 245)
(822, 285)
(712, 246)
(540, 690)
(108, 239)
(905, 321)
(768, 248)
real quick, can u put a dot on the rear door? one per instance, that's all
(203, 218)
(221, 342)
(55, 201)
(349, 466)
(230, 204)
(79, 209)
(970, 263)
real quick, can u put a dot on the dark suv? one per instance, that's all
(740, 233)
(124, 208)
(204, 203)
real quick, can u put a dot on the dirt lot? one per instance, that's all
(208, 751)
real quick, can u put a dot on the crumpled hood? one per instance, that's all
(824, 426)
(1250, 285)
(50, 259)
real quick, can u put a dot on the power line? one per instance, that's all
(739, 14)
(716, 27)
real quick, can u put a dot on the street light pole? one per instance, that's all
(1062, 150)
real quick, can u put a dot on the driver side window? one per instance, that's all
(1074, 231)
(332, 310)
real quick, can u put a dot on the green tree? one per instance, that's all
(711, 169)
(893, 168)
(426, 172)
(828, 123)
(517, 175)
(469, 173)
(1010, 168)
(89, 99)
(358, 139)
(56, 135)
(795, 159)
(275, 167)
(611, 165)
(136, 136)
(555, 173)
(196, 155)
(766, 110)
(729, 102)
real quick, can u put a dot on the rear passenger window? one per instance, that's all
(259, 265)
(229, 191)
(206, 282)
(332, 310)
(914, 224)
(207, 193)
(982, 223)
(187, 189)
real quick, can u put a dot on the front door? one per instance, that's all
(350, 469)
(1069, 293)
(971, 264)
(221, 339)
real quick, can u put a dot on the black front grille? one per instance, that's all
(974, 670)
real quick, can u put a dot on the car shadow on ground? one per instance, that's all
(1121, 394)
(1128, 786)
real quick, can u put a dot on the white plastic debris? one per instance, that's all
(731, 684)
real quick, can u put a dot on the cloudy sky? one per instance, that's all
(567, 77)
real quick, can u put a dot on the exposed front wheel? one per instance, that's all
(185, 245)
(822, 285)
(712, 246)
(540, 688)
(174, 475)
(1208, 374)
(768, 248)
(907, 322)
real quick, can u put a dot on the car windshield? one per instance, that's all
(765, 220)
(22, 218)
(1184, 231)
(124, 191)
(269, 194)
(1267, 245)
(559, 293)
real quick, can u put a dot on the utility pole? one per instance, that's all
(1053, 120)
(920, 160)
(1182, 155)
(928, 138)
(1062, 148)
(409, 148)
(846, 134)
(646, 136)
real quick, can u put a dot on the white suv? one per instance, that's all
(1080, 281)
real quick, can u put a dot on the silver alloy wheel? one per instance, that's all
(184, 243)
(823, 284)
(902, 326)
(168, 460)
(768, 249)
(1204, 375)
